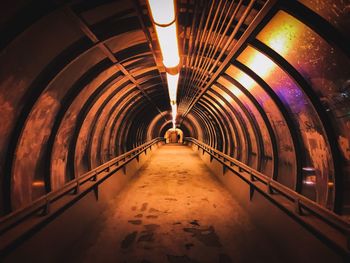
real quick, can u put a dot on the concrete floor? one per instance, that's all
(175, 210)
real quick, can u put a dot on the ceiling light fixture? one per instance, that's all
(172, 85)
(162, 11)
(164, 17)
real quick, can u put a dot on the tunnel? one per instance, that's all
(253, 167)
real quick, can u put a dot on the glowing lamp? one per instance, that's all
(167, 38)
(172, 85)
(162, 11)
(164, 18)
(174, 113)
(38, 184)
(163, 14)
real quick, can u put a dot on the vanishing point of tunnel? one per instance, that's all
(175, 131)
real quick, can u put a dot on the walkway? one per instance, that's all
(175, 211)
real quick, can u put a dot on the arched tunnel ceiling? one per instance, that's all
(266, 82)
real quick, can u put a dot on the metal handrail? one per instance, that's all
(272, 187)
(41, 206)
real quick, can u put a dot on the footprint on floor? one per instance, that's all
(128, 240)
(146, 236)
(135, 222)
(153, 210)
(144, 207)
(195, 222)
(206, 235)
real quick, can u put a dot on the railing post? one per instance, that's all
(94, 178)
(252, 178)
(297, 207)
(251, 191)
(269, 188)
(77, 188)
(224, 169)
(46, 208)
(96, 192)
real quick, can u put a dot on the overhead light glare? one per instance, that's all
(162, 11)
(174, 113)
(172, 85)
(164, 17)
(167, 38)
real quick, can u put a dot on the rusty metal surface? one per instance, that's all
(19, 76)
(29, 158)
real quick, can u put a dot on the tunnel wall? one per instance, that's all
(281, 101)
(54, 241)
(79, 85)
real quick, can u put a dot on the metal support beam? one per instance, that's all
(106, 50)
(269, 5)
